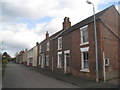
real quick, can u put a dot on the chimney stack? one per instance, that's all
(37, 43)
(47, 35)
(66, 23)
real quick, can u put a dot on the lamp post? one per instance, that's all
(96, 45)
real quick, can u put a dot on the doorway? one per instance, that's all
(67, 61)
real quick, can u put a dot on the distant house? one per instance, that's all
(24, 61)
(72, 50)
(32, 56)
(19, 57)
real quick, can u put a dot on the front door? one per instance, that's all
(67, 61)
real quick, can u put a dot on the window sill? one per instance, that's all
(85, 70)
(84, 43)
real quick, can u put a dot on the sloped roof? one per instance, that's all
(86, 21)
(79, 24)
(51, 37)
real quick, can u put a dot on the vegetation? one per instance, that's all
(5, 59)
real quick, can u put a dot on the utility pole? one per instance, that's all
(96, 44)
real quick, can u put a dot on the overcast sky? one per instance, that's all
(25, 22)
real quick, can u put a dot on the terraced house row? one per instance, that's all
(72, 49)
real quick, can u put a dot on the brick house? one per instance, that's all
(72, 50)
(45, 52)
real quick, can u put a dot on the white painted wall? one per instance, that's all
(32, 53)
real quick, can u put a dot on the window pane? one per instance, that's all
(60, 43)
(84, 35)
(68, 59)
(59, 61)
(86, 64)
(47, 60)
(48, 45)
(84, 57)
(85, 60)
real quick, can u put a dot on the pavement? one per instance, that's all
(83, 83)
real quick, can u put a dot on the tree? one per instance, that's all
(6, 57)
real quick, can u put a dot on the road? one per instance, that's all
(18, 76)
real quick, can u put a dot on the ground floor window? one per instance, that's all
(59, 60)
(85, 60)
(40, 58)
(67, 59)
(30, 60)
(47, 60)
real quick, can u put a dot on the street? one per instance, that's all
(18, 76)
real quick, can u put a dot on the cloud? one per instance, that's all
(25, 22)
(16, 37)
(40, 8)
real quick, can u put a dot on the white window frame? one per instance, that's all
(86, 49)
(47, 60)
(81, 31)
(39, 59)
(59, 48)
(59, 62)
(48, 46)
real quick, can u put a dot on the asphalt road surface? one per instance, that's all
(18, 76)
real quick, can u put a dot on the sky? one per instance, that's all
(25, 22)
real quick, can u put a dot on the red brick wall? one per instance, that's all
(110, 43)
(75, 52)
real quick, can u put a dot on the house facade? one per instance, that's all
(19, 57)
(72, 50)
(24, 61)
(32, 56)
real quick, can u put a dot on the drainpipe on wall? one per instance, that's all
(104, 73)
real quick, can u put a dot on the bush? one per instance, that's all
(4, 61)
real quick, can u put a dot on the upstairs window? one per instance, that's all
(84, 34)
(59, 43)
(48, 46)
